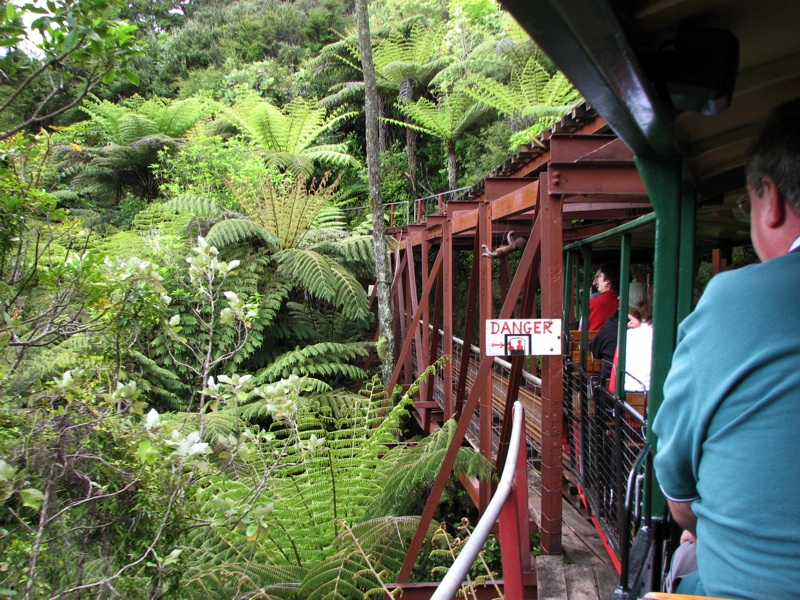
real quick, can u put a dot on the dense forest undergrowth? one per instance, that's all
(185, 253)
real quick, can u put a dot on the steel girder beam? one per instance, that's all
(574, 147)
(587, 178)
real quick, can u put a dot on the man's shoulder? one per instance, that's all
(777, 273)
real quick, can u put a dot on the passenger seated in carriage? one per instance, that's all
(727, 429)
(603, 305)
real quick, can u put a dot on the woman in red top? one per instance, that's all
(606, 302)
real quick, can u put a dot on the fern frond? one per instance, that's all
(351, 91)
(330, 217)
(415, 468)
(196, 205)
(332, 154)
(357, 248)
(310, 269)
(326, 360)
(350, 295)
(367, 554)
(164, 384)
(230, 232)
(134, 127)
(220, 423)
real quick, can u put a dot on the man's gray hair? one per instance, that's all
(776, 154)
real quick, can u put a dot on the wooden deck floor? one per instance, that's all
(584, 570)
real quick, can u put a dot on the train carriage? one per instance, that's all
(647, 172)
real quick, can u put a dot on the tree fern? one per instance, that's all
(166, 387)
(270, 540)
(366, 555)
(286, 206)
(309, 324)
(220, 423)
(353, 249)
(287, 136)
(448, 119)
(130, 139)
(330, 217)
(535, 96)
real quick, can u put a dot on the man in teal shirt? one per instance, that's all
(728, 457)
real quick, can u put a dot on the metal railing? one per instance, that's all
(530, 394)
(604, 438)
(411, 211)
(458, 571)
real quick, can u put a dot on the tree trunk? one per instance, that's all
(383, 128)
(411, 153)
(384, 277)
(452, 166)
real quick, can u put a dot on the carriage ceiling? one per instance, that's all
(647, 66)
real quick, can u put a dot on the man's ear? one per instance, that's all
(774, 206)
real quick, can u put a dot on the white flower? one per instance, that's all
(152, 419)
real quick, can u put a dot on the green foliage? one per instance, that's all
(447, 120)
(78, 46)
(131, 139)
(483, 149)
(236, 231)
(394, 185)
(78, 482)
(206, 166)
(285, 207)
(365, 555)
(294, 536)
(326, 279)
(410, 56)
(24, 205)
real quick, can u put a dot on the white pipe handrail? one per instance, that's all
(455, 576)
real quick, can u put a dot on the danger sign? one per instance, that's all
(529, 337)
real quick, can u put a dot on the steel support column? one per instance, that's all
(624, 302)
(423, 358)
(469, 325)
(405, 349)
(663, 181)
(486, 310)
(686, 253)
(447, 308)
(551, 280)
(413, 324)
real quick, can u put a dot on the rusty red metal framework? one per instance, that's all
(577, 181)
